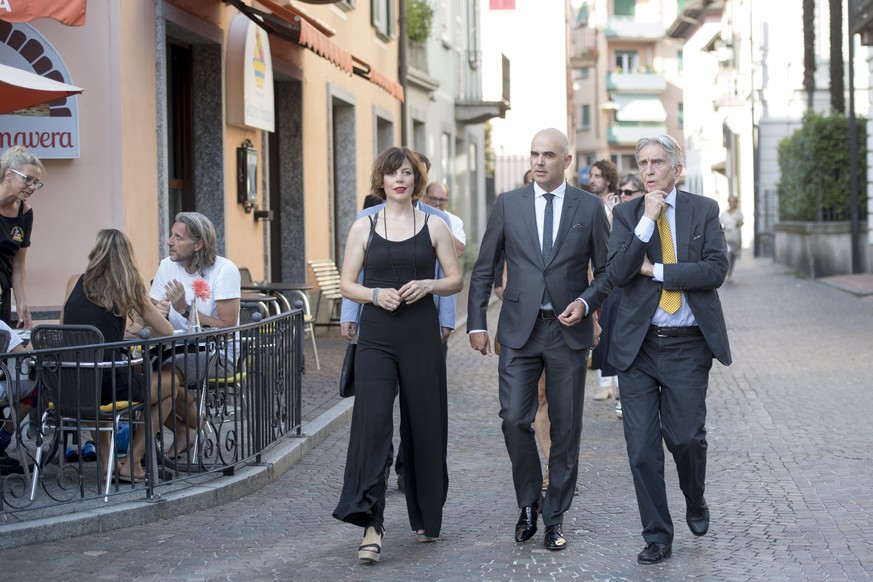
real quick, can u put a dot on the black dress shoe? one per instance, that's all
(654, 553)
(554, 539)
(698, 520)
(527, 523)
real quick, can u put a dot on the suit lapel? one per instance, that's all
(568, 214)
(683, 216)
(529, 212)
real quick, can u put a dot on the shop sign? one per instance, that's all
(249, 76)
(49, 130)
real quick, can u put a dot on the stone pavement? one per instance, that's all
(788, 486)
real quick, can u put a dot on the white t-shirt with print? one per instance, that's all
(222, 278)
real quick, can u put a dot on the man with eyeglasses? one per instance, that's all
(667, 252)
(437, 195)
(20, 172)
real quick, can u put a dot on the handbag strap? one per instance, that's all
(364, 266)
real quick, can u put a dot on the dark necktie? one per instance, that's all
(548, 221)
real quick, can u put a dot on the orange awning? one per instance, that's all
(20, 89)
(69, 12)
(305, 34)
(295, 27)
(378, 79)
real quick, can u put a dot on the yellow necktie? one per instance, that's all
(670, 301)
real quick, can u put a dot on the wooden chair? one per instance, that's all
(328, 279)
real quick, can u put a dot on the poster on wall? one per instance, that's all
(249, 76)
(50, 130)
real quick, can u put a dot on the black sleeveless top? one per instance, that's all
(392, 264)
(79, 310)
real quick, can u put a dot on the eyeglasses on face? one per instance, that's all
(29, 181)
(624, 192)
(437, 200)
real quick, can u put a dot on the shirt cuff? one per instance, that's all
(585, 303)
(472, 331)
(658, 272)
(645, 229)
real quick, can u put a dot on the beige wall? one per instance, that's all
(115, 181)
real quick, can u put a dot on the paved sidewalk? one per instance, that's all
(788, 485)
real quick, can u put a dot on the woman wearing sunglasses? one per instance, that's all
(20, 172)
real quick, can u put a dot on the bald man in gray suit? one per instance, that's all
(549, 232)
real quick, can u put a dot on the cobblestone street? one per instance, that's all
(788, 485)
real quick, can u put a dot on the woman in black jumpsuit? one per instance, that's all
(398, 344)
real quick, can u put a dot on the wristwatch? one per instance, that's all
(187, 313)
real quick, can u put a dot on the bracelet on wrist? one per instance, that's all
(375, 296)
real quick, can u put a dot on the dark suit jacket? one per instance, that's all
(700, 269)
(582, 237)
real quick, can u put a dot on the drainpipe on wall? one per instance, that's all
(402, 69)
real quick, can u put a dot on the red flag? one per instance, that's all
(502, 4)
(69, 12)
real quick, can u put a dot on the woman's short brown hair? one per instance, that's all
(391, 159)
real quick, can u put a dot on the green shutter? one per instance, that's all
(624, 7)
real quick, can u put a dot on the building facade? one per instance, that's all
(744, 87)
(263, 115)
(626, 78)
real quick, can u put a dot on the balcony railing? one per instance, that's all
(732, 89)
(583, 47)
(629, 135)
(636, 82)
(239, 415)
(629, 28)
(417, 55)
(471, 106)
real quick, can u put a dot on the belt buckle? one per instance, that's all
(661, 332)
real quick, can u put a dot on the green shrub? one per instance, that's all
(419, 19)
(814, 168)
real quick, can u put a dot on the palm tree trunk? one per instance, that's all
(838, 91)
(809, 51)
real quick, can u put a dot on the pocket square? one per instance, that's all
(695, 237)
(577, 225)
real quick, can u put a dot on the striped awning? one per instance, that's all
(289, 24)
(69, 12)
(637, 107)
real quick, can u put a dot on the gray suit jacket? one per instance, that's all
(581, 239)
(701, 267)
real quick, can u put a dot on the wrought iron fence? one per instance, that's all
(211, 403)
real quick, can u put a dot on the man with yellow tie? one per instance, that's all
(667, 251)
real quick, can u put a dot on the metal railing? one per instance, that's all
(241, 409)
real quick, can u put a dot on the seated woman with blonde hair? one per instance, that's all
(109, 293)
